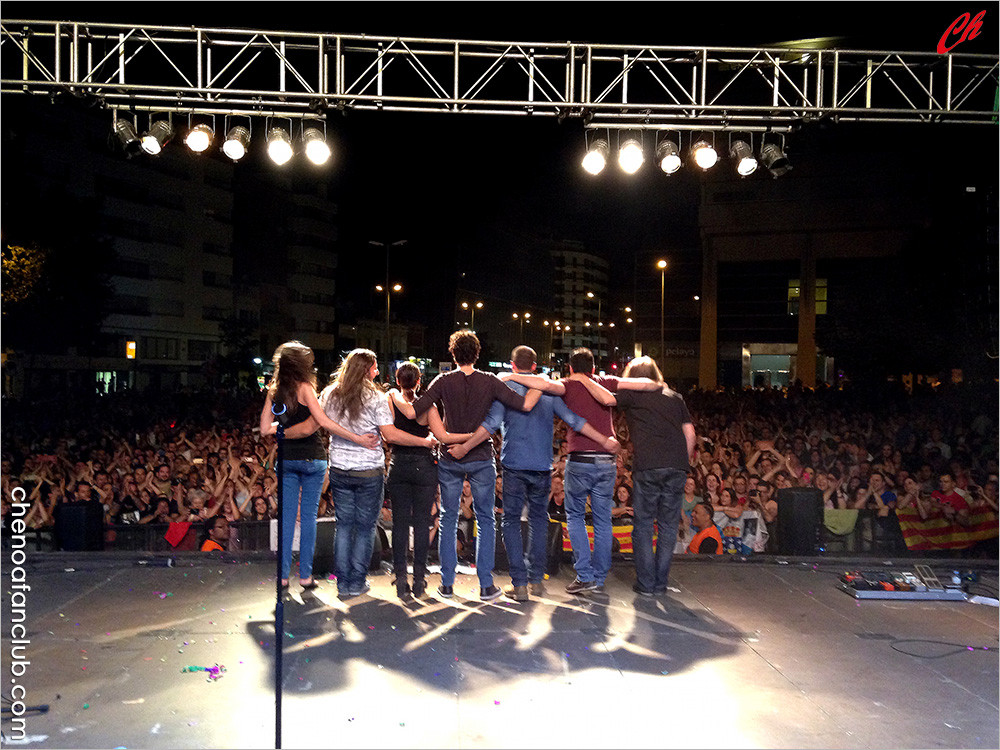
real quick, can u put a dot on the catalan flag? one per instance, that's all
(937, 532)
(622, 533)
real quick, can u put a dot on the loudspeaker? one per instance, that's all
(79, 526)
(323, 554)
(800, 515)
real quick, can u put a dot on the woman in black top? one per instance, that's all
(293, 393)
(411, 484)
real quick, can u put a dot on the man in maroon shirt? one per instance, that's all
(591, 470)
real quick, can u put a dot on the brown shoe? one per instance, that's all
(517, 593)
(536, 589)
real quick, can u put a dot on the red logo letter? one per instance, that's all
(971, 31)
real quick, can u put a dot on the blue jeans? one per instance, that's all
(482, 476)
(658, 495)
(307, 477)
(357, 502)
(533, 487)
(598, 481)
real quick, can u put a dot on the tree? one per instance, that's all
(56, 267)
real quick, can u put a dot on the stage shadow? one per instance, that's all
(459, 643)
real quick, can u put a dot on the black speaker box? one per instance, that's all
(79, 526)
(800, 515)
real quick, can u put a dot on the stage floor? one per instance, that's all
(757, 654)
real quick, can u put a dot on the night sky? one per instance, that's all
(466, 191)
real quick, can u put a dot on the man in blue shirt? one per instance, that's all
(526, 459)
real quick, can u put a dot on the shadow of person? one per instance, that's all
(455, 645)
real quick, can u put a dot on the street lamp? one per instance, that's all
(388, 297)
(662, 265)
(396, 288)
(628, 319)
(523, 318)
(591, 295)
(473, 307)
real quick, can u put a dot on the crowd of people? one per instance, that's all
(206, 458)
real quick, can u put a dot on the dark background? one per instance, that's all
(470, 192)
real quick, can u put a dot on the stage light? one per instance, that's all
(279, 146)
(774, 159)
(199, 138)
(236, 143)
(597, 156)
(746, 164)
(704, 154)
(158, 135)
(317, 149)
(667, 156)
(630, 156)
(127, 136)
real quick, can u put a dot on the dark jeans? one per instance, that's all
(482, 476)
(411, 484)
(356, 504)
(658, 495)
(531, 487)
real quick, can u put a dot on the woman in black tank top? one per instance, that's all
(412, 483)
(292, 393)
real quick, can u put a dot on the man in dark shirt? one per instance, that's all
(465, 395)
(663, 436)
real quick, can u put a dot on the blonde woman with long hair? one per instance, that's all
(357, 474)
(292, 393)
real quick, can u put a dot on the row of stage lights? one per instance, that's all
(200, 137)
(702, 152)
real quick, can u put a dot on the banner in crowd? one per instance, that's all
(940, 533)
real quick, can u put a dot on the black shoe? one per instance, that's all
(446, 591)
(490, 593)
(419, 587)
(403, 589)
(579, 587)
(642, 591)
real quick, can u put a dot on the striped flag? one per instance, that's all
(937, 532)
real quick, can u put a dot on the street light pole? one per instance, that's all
(591, 295)
(473, 308)
(385, 339)
(662, 265)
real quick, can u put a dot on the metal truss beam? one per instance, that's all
(190, 70)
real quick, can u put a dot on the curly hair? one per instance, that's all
(464, 347)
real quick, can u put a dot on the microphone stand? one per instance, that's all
(279, 607)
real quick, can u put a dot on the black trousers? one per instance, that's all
(411, 484)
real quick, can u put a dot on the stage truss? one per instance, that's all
(253, 73)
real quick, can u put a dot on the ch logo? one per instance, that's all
(964, 27)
